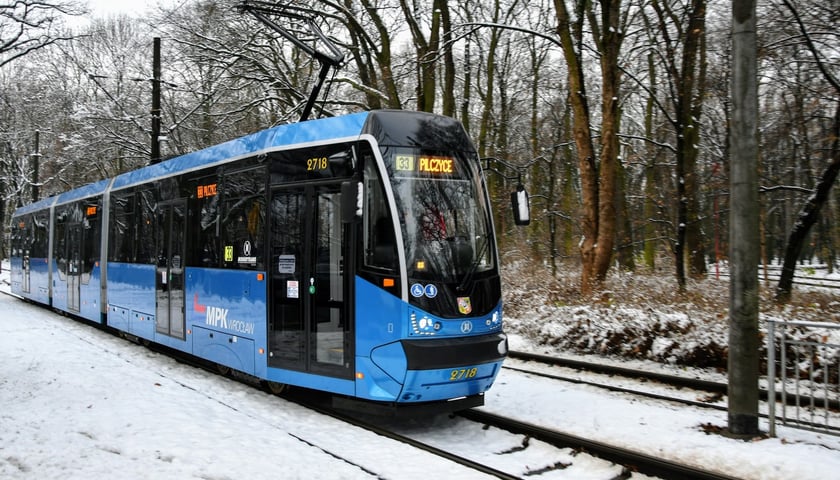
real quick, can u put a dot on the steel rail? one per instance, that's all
(673, 380)
(317, 401)
(641, 462)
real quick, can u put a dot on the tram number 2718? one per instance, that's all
(462, 374)
(316, 164)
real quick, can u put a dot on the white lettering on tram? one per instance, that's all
(218, 317)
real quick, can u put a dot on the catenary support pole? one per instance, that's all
(744, 227)
(155, 157)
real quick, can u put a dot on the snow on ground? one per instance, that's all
(79, 403)
(674, 432)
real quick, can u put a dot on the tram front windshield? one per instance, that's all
(445, 218)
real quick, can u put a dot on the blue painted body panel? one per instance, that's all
(89, 293)
(39, 279)
(382, 320)
(42, 204)
(226, 311)
(131, 299)
(428, 385)
(16, 275)
(89, 190)
(310, 380)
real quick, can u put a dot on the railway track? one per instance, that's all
(773, 274)
(625, 461)
(715, 389)
(632, 461)
(318, 402)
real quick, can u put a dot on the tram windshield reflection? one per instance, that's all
(445, 219)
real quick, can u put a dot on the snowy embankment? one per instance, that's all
(79, 403)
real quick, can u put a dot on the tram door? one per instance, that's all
(74, 244)
(169, 283)
(310, 327)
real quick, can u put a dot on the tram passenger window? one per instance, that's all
(243, 221)
(60, 242)
(14, 238)
(40, 242)
(208, 220)
(20, 239)
(121, 228)
(91, 241)
(203, 218)
(286, 233)
(145, 223)
(379, 238)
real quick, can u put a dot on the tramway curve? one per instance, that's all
(516, 462)
(630, 460)
(235, 402)
(708, 394)
(527, 454)
(661, 387)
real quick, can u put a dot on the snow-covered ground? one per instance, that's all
(79, 403)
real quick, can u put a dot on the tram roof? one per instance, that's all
(390, 127)
(34, 207)
(309, 132)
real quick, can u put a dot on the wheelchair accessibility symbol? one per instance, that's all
(418, 290)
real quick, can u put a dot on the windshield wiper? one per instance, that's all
(468, 276)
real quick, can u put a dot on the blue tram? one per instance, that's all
(354, 255)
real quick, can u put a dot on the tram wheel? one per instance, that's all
(222, 370)
(275, 387)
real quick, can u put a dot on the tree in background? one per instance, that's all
(823, 20)
(27, 26)
(598, 169)
(682, 32)
(226, 75)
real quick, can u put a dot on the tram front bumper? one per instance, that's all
(431, 369)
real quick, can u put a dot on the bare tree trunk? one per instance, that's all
(378, 50)
(448, 93)
(583, 141)
(489, 96)
(694, 67)
(686, 77)
(2, 218)
(609, 44)
(651, 186)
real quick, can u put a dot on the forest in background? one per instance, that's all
(613, 114)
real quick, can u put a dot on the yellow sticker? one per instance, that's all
(228, 253)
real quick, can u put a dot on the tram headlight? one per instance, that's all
(423, 325)
(494, 321)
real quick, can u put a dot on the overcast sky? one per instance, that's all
(102, 8)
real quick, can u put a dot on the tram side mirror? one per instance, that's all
(521, 206)
(343, 161)
(351, 201)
